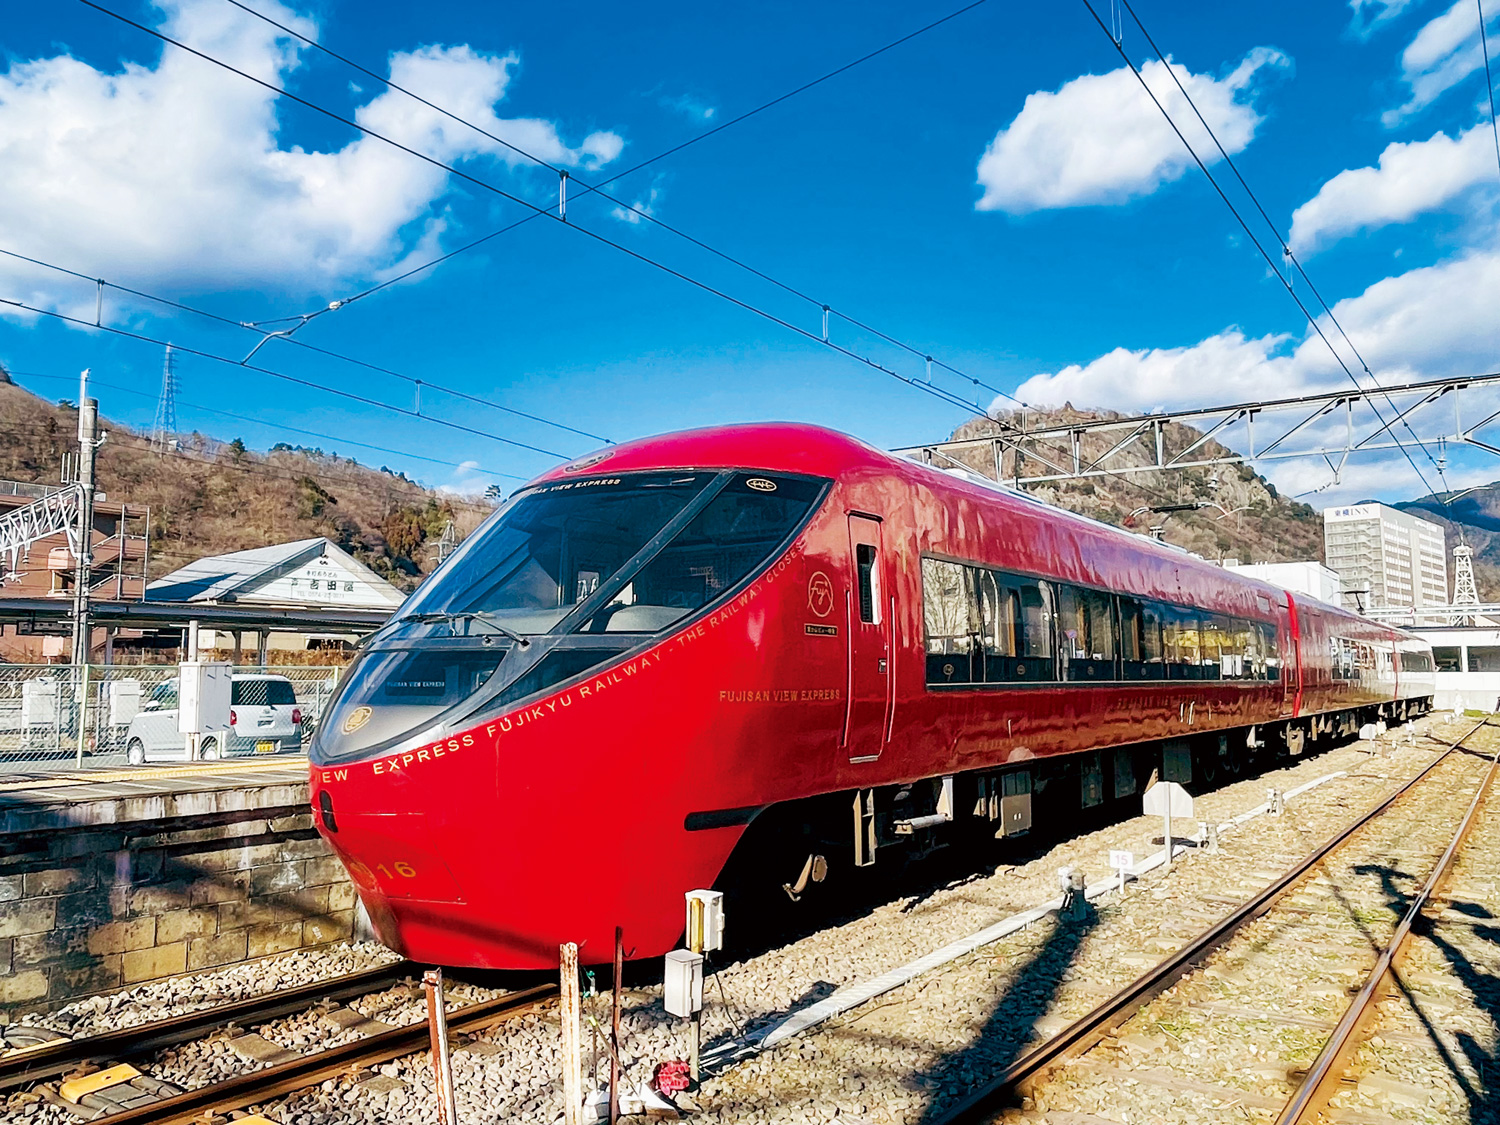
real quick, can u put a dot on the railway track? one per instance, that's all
(1244, 1016)
(99, 1082)
(52, 1057)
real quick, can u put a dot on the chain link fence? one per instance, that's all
(63, 716)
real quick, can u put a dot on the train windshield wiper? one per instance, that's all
(487, 619)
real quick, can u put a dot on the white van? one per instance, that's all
(263, 714)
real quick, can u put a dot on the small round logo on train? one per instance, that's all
(357, 718)
(820, 594)
(588, 462)
(761, 484)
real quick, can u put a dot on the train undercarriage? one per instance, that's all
(804, 846)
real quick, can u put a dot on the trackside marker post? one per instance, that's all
(1167, 799)
(442, 1063)
(1123, 863)
(572, 1049)
(614, 1029)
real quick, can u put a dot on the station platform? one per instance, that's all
(78, 797)
(114, 877)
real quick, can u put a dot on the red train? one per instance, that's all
(778, 637)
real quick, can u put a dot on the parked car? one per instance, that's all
(263, 714)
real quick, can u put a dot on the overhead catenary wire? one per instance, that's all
(1285, 244)
(640, 213)
(1203, 167)
(266, 336)
(143, 338)
(319, 475)
(1489, 81)
(281, 426)
(539, 211)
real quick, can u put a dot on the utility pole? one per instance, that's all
(88, 444)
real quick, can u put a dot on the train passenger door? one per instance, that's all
(868, 610)
(1291, 692)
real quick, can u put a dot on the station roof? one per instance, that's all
(177, 614)
(304, 573)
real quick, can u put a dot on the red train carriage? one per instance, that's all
(579, 716)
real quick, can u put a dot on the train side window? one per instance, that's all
(1141, 640)
(1132, 659)
(1211, 641)
(949, 617)
(869, 592)
(1036, 661)
(1449, 658)
(1226, 643)
(1270, 655)
(1085, 634)
(1018, 648)
(1181, 643)
(1253, 640)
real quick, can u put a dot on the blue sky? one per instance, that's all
(997, 191)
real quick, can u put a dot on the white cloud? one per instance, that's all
(642, 208)
(1371, 15)
(177, 174)
(1436, 321)
(1444, 52)
(694, 109)
(1412, 178)
(467, 480)
(1099, 140)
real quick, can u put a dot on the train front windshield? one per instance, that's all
(565, 577)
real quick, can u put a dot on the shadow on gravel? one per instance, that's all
(1484, 1095)
(1007, 1031)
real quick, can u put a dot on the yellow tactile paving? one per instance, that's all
(153, 773)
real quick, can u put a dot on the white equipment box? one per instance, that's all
(203, 689)
(39, 703)
(124, 701)
(682, 994)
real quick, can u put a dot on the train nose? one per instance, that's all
(388, 856)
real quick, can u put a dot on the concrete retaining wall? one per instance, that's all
(101, 893)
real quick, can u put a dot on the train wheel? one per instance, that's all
(1238, 759)
(1206, 767)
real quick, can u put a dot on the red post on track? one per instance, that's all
(614, 1030)
(442, 1064)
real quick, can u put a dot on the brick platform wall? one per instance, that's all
(103, 894)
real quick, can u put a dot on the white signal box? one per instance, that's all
(682, 994)
(203, 695)
(705, 920)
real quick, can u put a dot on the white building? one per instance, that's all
(1385, 557)
(308, 572)
(1312, 579)
(1468, 666)
(305, 573)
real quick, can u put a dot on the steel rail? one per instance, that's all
(197, 1106)
(1327, 1070)
(48, 1060)
(1081, 1035)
